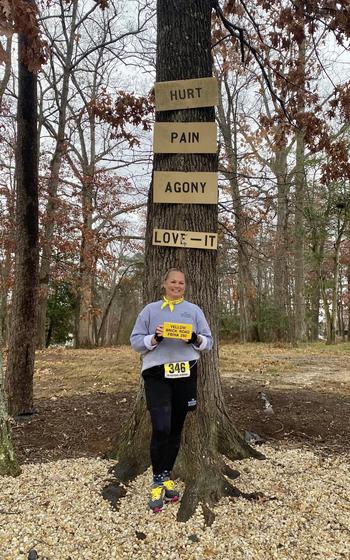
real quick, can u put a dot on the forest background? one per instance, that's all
(284, 205)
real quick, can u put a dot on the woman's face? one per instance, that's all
(175, 285)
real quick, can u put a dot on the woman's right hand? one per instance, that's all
(159, 332)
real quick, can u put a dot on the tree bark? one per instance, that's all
(20, 369)
(183, 52)
(8, 463)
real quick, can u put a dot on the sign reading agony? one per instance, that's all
(178, 187)
(188, 239)
(182, 331)
(185, 94)
(184, 138)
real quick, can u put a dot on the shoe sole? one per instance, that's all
(157, 509)
(172, 500)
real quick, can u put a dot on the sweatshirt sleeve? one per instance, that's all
(140, 337)
(203, 330)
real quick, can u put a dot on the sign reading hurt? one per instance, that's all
(180, 138)
(188, 239)
(182, 331)
(185, 94)
(178, 187)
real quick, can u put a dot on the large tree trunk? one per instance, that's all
(8, 463)
(183, 52)
(20, 369)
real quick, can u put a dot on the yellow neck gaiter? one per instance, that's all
(171, 302)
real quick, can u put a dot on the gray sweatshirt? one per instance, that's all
(169, 350)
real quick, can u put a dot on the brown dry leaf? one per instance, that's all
(3, 55)
(209, 552)
(5, 6)
(6, 29)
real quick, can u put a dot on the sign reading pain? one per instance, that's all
(181, 331)
(184, 138)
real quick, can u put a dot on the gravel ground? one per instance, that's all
(56, 508)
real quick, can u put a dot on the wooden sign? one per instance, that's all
(187, 239)
(177, 187)
(185, 94)
(181, 331)
(184, 138)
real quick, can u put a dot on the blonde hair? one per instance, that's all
(166, 275)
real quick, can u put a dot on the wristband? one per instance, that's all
(158, 337)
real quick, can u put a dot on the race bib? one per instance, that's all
(177, 369)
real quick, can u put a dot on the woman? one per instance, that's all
(169, 370)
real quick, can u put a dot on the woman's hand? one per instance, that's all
(195, 339)
(158, 334)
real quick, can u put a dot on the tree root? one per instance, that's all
(232, 444)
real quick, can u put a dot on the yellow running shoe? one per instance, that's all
(156, 501)
(171, 495)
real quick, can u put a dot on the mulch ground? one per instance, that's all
(86, 425)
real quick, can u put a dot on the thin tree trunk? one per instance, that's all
(84, 337)
(300, 178)
(209, 432)
(348, 306)
(7, 71)
(55, 167)
(335, 286)
(315, 307)
(299, 272)
(281, 303)
(20, 369)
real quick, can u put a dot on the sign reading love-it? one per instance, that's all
(185, 239)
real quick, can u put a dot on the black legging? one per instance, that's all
(168, 401)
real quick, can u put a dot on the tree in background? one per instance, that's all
(86, 43)
(20, 365)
